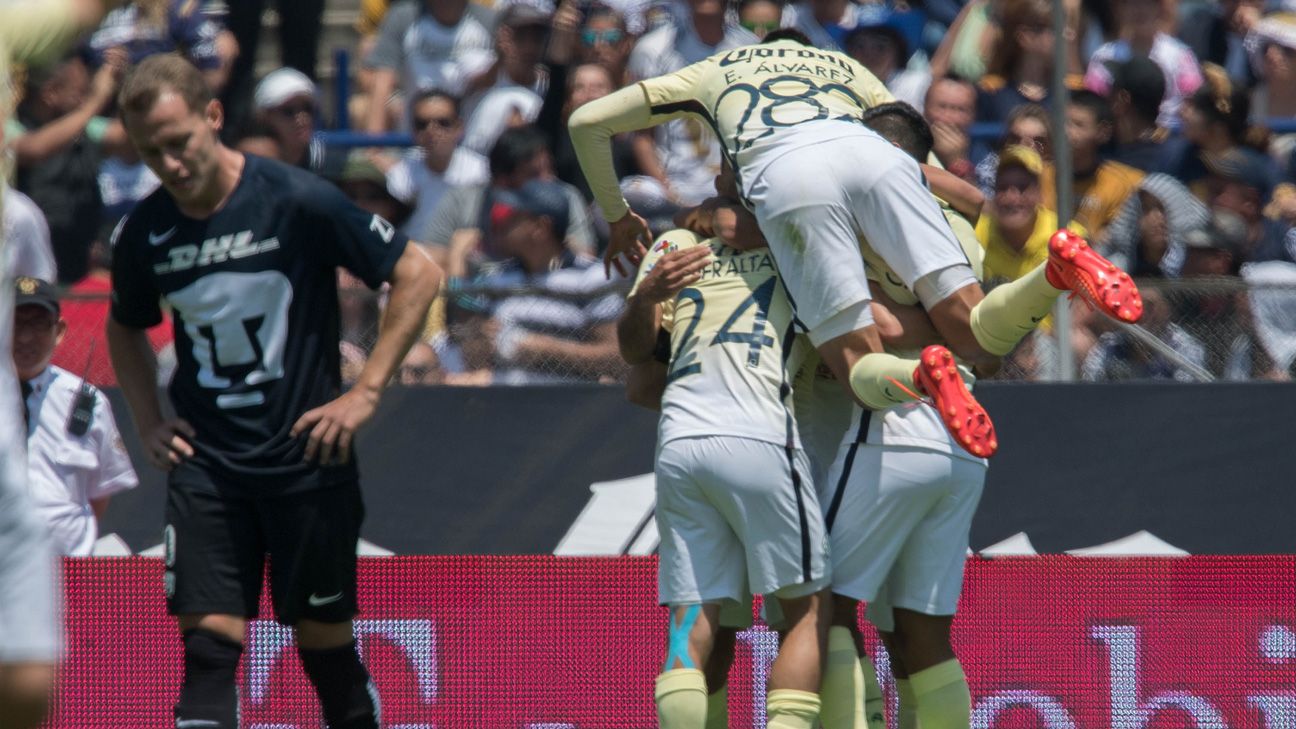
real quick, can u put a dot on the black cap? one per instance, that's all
(30, 290)
(1243, 166)
(541, 198)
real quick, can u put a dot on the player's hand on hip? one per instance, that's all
(675, 271)
(629, 237)
(167, 444)
(332, 426)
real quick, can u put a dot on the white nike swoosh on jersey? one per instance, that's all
(316, 600)
(157, 239)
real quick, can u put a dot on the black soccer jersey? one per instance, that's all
(253, 289)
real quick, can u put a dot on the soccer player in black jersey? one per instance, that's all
(245, 251)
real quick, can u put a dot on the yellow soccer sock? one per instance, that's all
(1012, 310)
(870, 380)
(791, 709)
(874, 701)
(907, 716)
(681, 699)
(942, 695)
(843, 690)
(717, 716)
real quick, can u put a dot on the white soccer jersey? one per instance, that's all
(732, 347)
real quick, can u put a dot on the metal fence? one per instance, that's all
(1196, 329)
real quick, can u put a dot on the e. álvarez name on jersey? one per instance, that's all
(253, 289)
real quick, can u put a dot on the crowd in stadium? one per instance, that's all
(1176, 172)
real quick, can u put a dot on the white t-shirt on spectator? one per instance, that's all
(65, 471)
(28, 251)
(411, 182)
(431, 55)
(687, 149)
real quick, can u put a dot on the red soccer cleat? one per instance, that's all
(966, 420)
(1074, 266)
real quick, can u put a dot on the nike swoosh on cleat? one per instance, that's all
(316, 600)
(1038, 319)
(157, 239)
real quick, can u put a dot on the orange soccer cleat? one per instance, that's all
(966, 419)
(1074, 266)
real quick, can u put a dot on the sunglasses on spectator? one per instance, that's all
(1035, 143)
(610, 36)
(443, 122)
(767, 26)
(292, 110)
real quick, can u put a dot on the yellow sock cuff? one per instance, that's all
(791, 709)
(870, 380)
(841, 645)
(937, 677)
(717, 713)
(874, 701)
(1012, 310)
(680, 679)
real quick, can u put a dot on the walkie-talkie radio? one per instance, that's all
(83, 405)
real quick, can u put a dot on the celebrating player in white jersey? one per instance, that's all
(736, 507)
(787, 115)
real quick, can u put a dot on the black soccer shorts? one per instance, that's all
(217, 546)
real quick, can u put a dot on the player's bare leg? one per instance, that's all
(24, 694)
(213, 644)
(795, 677)
(940, 690)
(345, 690)
(681, 692)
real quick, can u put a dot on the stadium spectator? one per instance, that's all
(123, 181)
(428, 44)
(1215, 122)
(563, 328)
(950, 109)
(75, 457)
(1211, 313)
(299, 35)
(1141, 36)
(1137, 88)
(1240, 182)
(586, 82)
(85, 309)
(193, 28)
(421, 366)
(1272, 46)
(1216, 32)
(1015, 234)
(759, 17)
(1147, 238)
(28, 251)
(513, 89)
(825, 22)
(1020, 70)
(879, 44)
(1028, 126)
(519, 156)
(683, 156)
(605, 41)
(1100, 186)
(287, 104)
(260, 140)
(1119, 356)
(59, 140)
(967, 46)
(421, 180)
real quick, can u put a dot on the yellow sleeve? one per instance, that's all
(592, 127)
(35, 31)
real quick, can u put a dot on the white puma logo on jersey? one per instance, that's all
(214, 250)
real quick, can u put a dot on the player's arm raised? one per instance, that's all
(961, 195)
(639, 323)
(415, 281)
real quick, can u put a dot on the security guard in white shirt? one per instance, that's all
(75, 456)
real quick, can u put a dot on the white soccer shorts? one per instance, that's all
(734, 521)
(900, 530)
(31, 626)
(812, 204)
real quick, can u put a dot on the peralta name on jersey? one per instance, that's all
(739, 265)
(214, 250)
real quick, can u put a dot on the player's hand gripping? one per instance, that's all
(675, 271)
(167, 443)
(628, 238)
(333, 425)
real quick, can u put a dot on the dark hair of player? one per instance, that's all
(902, 125)
(157, 74)
(514, 148)
(791, 34)
(1094, 104)
(427, 94)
